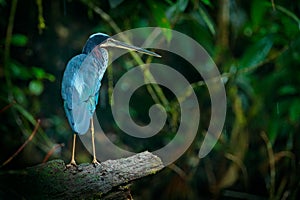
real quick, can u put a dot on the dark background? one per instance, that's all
(254, 43)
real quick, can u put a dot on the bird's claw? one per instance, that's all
(95, 163)
(71, 164)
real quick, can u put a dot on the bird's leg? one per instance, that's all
(73, 163)
(95, 162)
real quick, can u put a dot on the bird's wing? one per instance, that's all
(68, 89)
(69, 76)
(82, 90)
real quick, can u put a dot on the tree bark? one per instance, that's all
(52, 180)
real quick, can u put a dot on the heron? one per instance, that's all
(82, 81)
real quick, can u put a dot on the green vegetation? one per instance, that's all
(255, 44)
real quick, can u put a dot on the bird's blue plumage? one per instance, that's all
(80, 87)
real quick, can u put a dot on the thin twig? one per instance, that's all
(240, 164)
(24, 145)
(267, 60)
(7, 106)
(271, 163)
(41, 24)
(9, 31)
(222, 40)
(210, 174)
(273, 5)
(52, 151)
(178, 171)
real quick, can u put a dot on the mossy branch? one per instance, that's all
(53, 180)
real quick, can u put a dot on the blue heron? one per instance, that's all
(81, 83)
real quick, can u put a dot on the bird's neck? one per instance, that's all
(101, 56)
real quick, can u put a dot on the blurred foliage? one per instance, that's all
(255, 45)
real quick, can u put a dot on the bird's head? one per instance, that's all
(105, 41)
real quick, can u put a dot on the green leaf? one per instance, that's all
(256, 53)
(294, 111)
(289, 14)
(19, 40)
(182, 4)
(258, 10)
(38, 73)
(171, 11)
(19, 95)
(36, 87)
(206, 2)
(114, 3)
(50, 77)
(273, 130)
(179, 6)
(207, 19)
(160, 18)
(41, 74)
(19, 71)
(25, 113)
(2, 2)
(287, 90)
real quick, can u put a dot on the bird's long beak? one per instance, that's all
(115, 43)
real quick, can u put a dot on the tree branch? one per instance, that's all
(52, 180)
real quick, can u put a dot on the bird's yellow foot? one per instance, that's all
(95, 162)
(71, 164)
